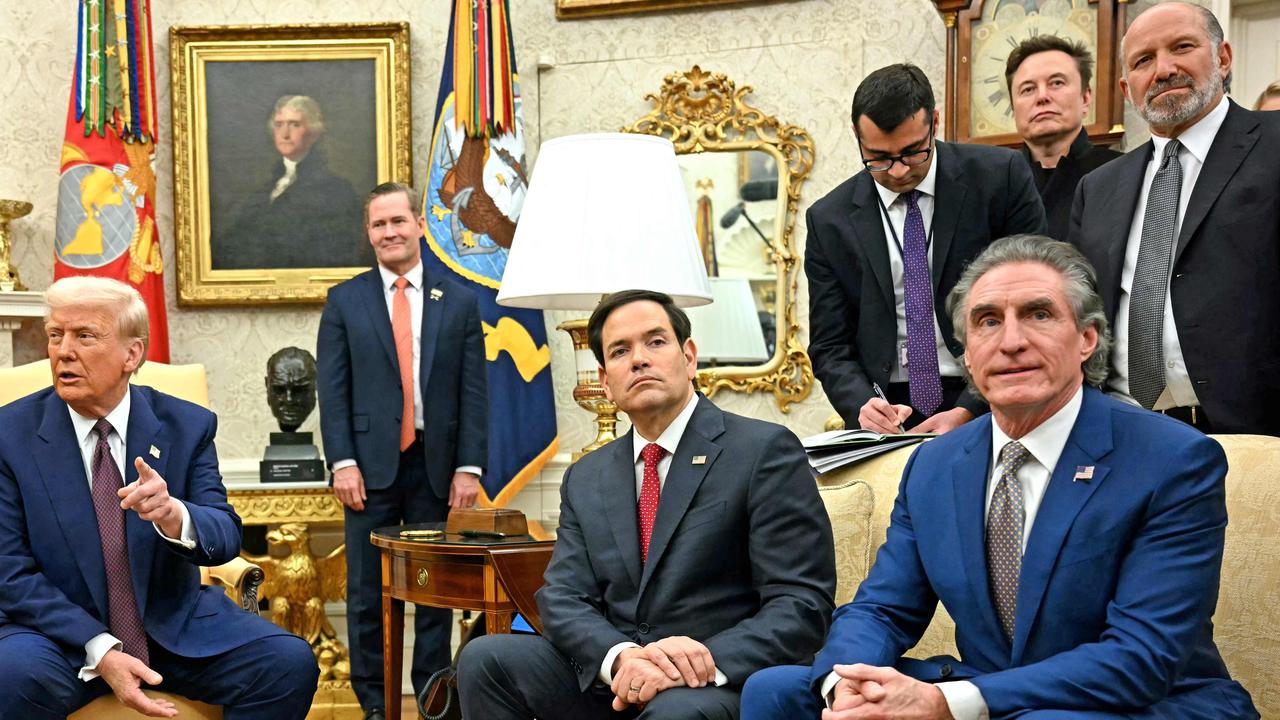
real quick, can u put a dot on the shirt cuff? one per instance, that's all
(828, 685)
(340, 464)
(606, 667)
(94, 650)
(473, 469)
(187, 537)
(964, 700)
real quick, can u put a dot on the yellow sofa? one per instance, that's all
(188, 382)
(859, 499)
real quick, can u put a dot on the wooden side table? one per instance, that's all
(497, 577)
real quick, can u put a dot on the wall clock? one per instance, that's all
(980, 35)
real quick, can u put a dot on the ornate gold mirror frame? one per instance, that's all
(703, 112)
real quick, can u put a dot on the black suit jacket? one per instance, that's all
(1225, 286)
(316, 222)
(983, 193)
(358, 380)
(741, 558)
(1060, 190)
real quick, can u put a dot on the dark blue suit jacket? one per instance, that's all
(1119, 578)
(359, 380)
(52, 578)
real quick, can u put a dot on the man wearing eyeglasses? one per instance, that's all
(886, 246)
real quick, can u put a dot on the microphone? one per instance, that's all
(732, 216)
(758, 190)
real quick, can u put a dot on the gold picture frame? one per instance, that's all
(707, 112)
(237, 242)
(573, 9)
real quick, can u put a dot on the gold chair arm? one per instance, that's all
(239, 578)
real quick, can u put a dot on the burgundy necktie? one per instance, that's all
(650, 491)
(122, 606)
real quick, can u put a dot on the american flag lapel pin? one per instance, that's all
(699, 459)
(1084, 473)
(155, 452)
(436, 293)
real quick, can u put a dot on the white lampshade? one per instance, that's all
(605, 212)
(728, 330)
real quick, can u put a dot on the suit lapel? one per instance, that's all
(1236, 137)
(969, 482)
(145, 432)
(1119, 202)
(433, 307)
(62, 469)
(868, 227)
(617, 493)
(1090, 440)
(375, 305)
(950, 190)
(683, 480)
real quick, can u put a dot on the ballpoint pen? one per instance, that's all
(875, 387)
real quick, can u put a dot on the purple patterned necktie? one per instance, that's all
(917, 288)
(122, 606)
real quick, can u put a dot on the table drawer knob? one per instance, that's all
(422, 577)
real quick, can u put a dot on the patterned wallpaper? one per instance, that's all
(803, 57)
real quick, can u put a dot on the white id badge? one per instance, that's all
(902, 354)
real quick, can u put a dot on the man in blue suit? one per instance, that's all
(1075, 540)
(110, 499)
(403, 413)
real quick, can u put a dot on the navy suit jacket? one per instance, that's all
(983, 194)
(1226, 265)
(741, 557)
(52, 578)
(359, 380)
(1119, 577)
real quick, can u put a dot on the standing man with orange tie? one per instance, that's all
(396, 333)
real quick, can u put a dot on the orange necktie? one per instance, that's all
(402, 330)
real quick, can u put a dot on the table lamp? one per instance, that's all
(604, 212)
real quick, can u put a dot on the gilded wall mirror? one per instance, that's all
(743, 170)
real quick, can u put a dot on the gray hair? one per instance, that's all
(1079, 283)
(120, 300)
(1212, 28)
(308, 108)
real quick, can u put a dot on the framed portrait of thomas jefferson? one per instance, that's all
(279, 133)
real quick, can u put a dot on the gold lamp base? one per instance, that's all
(588, 393)
(10, 210)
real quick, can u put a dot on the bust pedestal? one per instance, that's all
(291, 457)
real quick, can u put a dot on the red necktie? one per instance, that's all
(650, 491)
(122, 606)
(402, 330)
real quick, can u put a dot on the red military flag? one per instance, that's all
(107, 193)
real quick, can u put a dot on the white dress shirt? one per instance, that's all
(99, 644)
(290, 174)
(1178, 391)
(412, 291)
(1044, 447)
(897, 214)
(669, 440)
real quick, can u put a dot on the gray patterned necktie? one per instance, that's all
(1005, 522)
(122, 605)
(1150, 285)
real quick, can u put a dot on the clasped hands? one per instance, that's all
(640, 673)
(866, 692)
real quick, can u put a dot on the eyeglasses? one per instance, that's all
(908, 159)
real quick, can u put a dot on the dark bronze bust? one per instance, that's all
(291, 386)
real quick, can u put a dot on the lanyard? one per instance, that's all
(928, 241)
